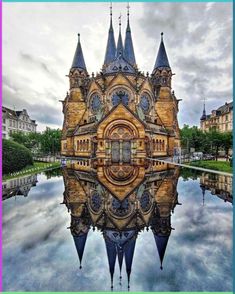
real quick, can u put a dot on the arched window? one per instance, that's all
(157, 147)
(160, 145)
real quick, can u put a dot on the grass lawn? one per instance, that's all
(222, 166)
(29, 169)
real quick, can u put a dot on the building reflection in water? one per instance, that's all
(219, 185)
(18, 186)
(120, 201)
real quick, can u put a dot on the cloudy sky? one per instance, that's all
(39, 41)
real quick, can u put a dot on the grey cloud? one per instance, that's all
(38, 63)
(189, 27)
(42, 113)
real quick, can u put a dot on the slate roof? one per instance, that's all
(120, 64)
(128, 47)
(120, 49)
(111, 45)
(162, 59)
(226, 108)
(78, 60)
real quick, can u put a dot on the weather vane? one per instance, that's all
(128, 9)
(120, 19)
(111, 9)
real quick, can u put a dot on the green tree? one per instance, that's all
(215, 139)
(29, 140)
(192, 137)
(227, 142)
(208, 142)
(47, 142)
(50, 141)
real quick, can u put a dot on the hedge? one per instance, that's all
(14, 156)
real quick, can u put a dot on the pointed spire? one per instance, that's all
(129, 253)
(80, 242)
(203, 117)
(128, 48)
(112, 254)
(111, 45)
(162, 59)
(161, 242)
(120, 258)
(78, 60)
(119, 43)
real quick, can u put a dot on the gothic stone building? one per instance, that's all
(120, 115)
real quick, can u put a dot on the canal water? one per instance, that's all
(174, 233)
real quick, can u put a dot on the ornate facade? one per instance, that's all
(120, 115)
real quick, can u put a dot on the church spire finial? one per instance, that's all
(120, 22)
(162, 36)
(119, 51)
(111, 10)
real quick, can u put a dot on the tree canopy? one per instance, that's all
(207, 142)
(47, 142)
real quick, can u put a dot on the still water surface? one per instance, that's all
(39, 252)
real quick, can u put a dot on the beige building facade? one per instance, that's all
(220, 119)
(16, 121)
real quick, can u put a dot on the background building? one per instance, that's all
(14, 121)
(220, 119)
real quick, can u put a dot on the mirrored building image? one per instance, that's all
(147, 205)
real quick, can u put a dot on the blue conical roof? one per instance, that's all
(111, 45)
(78, 60)
(161, 242)
(120, 253)
(128, 48)
(112, 254)
(80, 242)
(162, 59)
(120, 49)
(129, 253)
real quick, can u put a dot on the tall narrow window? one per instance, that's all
(126, 151)
(115, 151)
